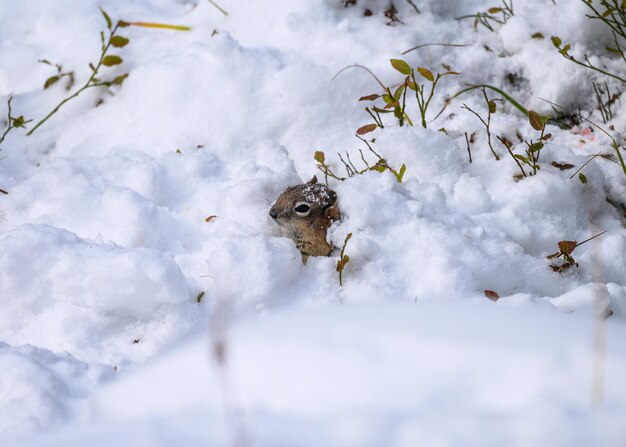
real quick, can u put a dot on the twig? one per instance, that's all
(436, 45)
(364, 68)
(220, 9)
(469, 151)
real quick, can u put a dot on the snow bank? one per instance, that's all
(137, 216)
(40, 389)
(387, 374)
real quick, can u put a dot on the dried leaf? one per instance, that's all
(210, 219)
(535, 120)
(567, 247)
(371, 97)
(493, 296)
(366, 129)
(320, 157)
(562, 166)
(425, 72)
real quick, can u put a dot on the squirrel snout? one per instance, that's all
(273, 213)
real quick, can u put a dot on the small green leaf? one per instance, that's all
(379, 167)
(492, 106)
(521, 157)
(50, 81)
(556, 41)
(106, 17)
(494, 10)
(397, 112)
(112, 60)
(122, 24)
(199, 297)
(119, 41)
(536, 147)
(535, 120)
(425, 72)
(19, 121)
(537, 36)
(320, 157)
(400, 175)
(119, 79)
(388, 98)
(398, 92)
(583, 178)
(401, 66)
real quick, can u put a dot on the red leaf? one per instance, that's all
(371, 97)
(366, 129)
(493, 296)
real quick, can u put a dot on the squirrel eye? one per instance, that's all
(302, 208)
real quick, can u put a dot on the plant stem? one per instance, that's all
(87, 85)
(220, 9)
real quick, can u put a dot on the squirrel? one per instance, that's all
(304, 213)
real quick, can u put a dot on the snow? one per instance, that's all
(119, 215)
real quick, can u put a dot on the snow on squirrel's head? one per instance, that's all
(304, 213)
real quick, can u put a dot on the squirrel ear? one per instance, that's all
(313, 181)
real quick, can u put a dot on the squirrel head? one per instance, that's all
(304, 213)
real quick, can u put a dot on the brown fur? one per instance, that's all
(308, 232)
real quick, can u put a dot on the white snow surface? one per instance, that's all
(106, 241)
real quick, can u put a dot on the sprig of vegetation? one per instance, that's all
(605, 100)
(491, 109)
(494, 15)
(616, 147)
(471, 87)
(395, 102)
(343, 259)
(533, 148)
(585, 62)
(612, 13)
(105, 60)
(381, 165)
(566, 248)
(58, 76)
(12, 121)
